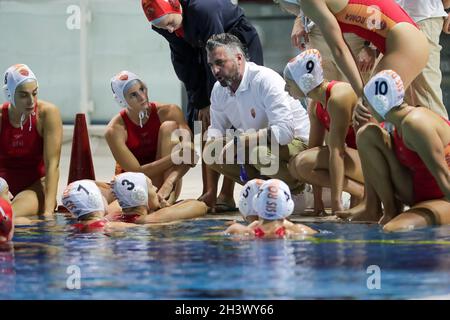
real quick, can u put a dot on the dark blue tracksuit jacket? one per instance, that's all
(202, 19)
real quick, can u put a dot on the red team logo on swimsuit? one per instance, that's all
(447, 155)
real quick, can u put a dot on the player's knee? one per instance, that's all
(368, 134)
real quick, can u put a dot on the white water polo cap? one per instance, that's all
(4, 186)
(306, 70)
(294, 2)
(14, 77)
(130, 189)
(82, 197)
(247, 196)
(118, 85)
(274, 200)
(384, 91)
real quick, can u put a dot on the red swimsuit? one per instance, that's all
(90, 227)
(142, 142)
(324, 118)
(424, 185)
(372, 19)
(21, 153)
(280, 232)
(128, 218)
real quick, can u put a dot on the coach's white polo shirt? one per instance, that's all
(423, 9)
(259, 102)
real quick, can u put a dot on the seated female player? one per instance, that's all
(411, 167)
(30, 144)
(149, 137)
(337, 165)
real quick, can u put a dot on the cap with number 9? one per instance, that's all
(306, 70)
(384, 91)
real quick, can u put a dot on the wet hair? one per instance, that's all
(229, 41)
(130, 84)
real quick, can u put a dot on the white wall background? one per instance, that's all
(36, 32)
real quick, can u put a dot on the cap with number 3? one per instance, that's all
(130, 189)
(384, 91)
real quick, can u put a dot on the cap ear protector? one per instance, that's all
(119, 101)
(306, 70)
(5, 88)
(130, 189)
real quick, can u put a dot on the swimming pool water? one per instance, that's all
(181, 261)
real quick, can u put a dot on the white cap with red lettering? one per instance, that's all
(82, 197)
(274, 200)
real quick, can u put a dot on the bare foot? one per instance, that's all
(336, 206)
(319, 209)
(355, 200)
(209, 199)
(19, 221)
(359, 213)
(226, 200)
(385, 219)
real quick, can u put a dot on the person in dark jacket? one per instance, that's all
(187, 25)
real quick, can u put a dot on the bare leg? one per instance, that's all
(209, 156)
(187, 209)
(407, 52)
(427, 213)
(312, 166)
(382, 172)
(210, 196)
(30, 201)
(226, 194)
(213, 172)
(168, 181)
(368, 210)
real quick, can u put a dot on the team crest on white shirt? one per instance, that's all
(253, 112)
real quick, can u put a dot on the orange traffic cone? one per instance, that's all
(81, 166)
